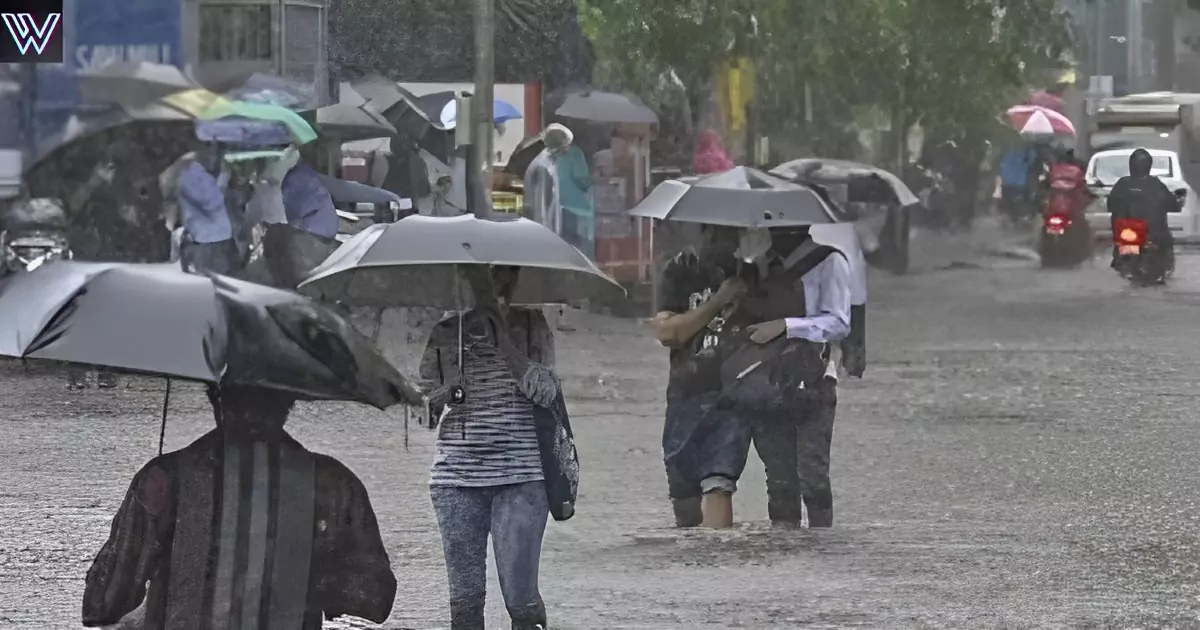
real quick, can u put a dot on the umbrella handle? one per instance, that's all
(162, 430)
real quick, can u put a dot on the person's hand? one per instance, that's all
(106, 172)
(767, 332)
(730, 290)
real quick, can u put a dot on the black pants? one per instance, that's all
(221, 257)
(794, 445)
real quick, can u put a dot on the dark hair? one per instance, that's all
(267, 405)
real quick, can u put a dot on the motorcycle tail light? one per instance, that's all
(1129, 231)
(1057, 224)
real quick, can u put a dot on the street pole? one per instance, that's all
(479, 164)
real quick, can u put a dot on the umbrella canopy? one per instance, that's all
(742, 197)
(132, 83)
(301, 132)
(823, 171)
(1044, 120)
(156, 319)
(606, 107)
(414, 262)
(346, 192)
(268, 89)
(502, 112)
(524, 155)
(161, 133)
(140, 83)
(1042, 98)
(343, 122)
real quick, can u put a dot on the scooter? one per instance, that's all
(35, 235)
(1066, 238)
(1137, 259)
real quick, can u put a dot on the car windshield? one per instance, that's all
(1109, 168)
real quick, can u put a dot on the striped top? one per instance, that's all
(489, 440)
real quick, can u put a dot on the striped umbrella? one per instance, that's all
(1043, 120)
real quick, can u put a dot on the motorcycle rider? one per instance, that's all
(1145, 197)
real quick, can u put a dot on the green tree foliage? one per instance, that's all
(949, 65)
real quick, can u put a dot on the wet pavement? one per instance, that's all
(1021, 454)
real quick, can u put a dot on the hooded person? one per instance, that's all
(541, 200)
(243, 528)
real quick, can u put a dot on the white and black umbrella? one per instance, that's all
(741, 197)
(416, 262)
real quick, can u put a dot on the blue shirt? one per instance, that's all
(1014, 167)
(202, 206)
(826, 298)
(308, 203)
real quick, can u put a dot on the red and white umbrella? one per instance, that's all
(1032, 119)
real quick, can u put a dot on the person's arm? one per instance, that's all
(438, 371)
(116, 582)
(580, 172)
(676, 329)
(358, 580)
(832, 319)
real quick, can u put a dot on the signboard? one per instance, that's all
(98, 32)
(126, 30)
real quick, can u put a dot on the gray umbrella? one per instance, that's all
(414, 262)
(132, 83)
(606, 107)
(156, 319)
(342, 122)
(823, 171)
(740, 197)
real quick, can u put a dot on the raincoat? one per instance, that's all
(575, 197)
(540, 197)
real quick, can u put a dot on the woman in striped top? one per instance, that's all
(487, 470)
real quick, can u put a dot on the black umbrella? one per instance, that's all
(289, 254)
(158, 320)
(524, 155)
(342, 122)
(606, 107)
(741, 197)
(158, 133)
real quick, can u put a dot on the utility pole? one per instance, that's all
(479, 162)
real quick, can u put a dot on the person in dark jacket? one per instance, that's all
(243, 528)
(1143, 196)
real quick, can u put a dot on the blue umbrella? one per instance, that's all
(501, 112)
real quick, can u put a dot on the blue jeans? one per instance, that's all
(515, 516)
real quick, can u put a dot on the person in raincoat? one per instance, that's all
(775, 347)
(307, 202)
(541, 197)
(575, 197)
(487, 477)
(243, 528)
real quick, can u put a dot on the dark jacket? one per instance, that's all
(1144, 197)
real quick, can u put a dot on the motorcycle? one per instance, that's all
(1137, 258)
(35, 234)
(1066, 237)
(936, 193)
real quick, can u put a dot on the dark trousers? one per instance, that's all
(515, 518)
(221, 257)
(794, 445)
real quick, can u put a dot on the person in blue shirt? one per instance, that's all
(575, 196)
(1015, 166)
(308, 203)
(208, 235)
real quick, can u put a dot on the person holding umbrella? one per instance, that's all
(487, 476)
(787, 299)
(208, 235)
(244, 528)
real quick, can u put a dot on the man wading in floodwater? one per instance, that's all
(774, 345)
(702, 448)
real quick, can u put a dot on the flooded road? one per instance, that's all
(1020, 455)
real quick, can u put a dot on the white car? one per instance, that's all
(1106, 167)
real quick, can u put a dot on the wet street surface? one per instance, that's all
(1021, 454)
